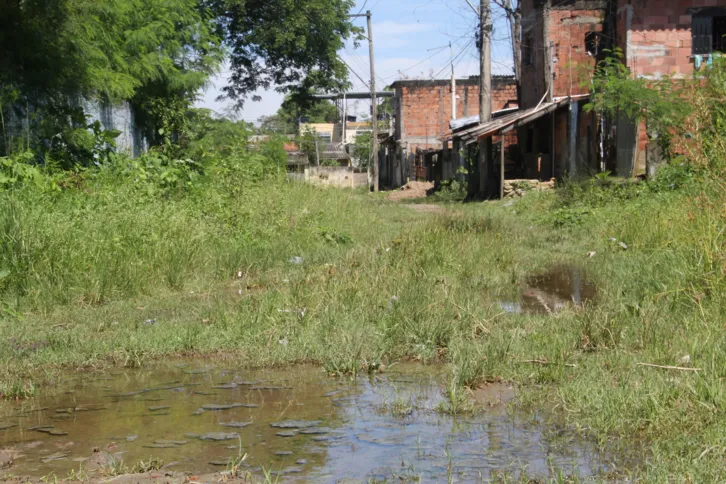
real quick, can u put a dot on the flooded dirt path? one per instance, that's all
(297, 422)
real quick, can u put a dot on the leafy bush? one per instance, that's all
(20, 169)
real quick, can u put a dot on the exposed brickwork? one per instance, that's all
(568, 28)
(424, 109)
(656, 38)
(657, 35)
(572, 64)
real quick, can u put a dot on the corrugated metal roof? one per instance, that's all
(511, 121)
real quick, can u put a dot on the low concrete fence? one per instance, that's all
(335, 176)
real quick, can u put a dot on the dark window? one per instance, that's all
(708, 31)
(719, 34)
(595, 43)
(528, 51)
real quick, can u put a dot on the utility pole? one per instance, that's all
(485, 86)
(453, 84)
(374, 104)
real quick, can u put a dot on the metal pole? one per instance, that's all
(345, 121)
(374, 103)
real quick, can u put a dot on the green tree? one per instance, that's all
(290, 44)
(615, 92)
(363, 148)
(54, 52)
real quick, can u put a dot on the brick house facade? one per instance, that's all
(674, 39)
(575, 31)
(423, 113)
(658, 38)
(423, 108)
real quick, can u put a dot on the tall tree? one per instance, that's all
(289, 44)
(55, 52)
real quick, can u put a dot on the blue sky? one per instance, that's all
(411, 41)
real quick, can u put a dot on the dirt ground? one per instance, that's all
(412, 189)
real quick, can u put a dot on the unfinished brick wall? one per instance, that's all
(569, 23)
(656, 35)
(424, 107)
(573, 66)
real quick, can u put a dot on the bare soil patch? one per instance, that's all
(412, 189)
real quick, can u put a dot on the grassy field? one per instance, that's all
(102, 274)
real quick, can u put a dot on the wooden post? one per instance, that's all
(501, 170)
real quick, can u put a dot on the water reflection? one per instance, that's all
(298, 422)
(552, 291)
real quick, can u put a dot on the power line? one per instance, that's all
(363, 7)
(353, 71)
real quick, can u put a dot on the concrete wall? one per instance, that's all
(336, 176)
(119, 117)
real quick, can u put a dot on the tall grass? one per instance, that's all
(105, 273)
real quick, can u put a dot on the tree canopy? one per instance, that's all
(158, 54)
(291, 45)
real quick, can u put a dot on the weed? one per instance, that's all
(456, 398)
(234, 468)
(19, 390)
(142, 467)
(114, 467)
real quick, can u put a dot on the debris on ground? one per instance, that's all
(518, 188)
(414, 189)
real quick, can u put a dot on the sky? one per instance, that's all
(411, 41)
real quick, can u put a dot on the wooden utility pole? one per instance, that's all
(485, 86)
(374, 104)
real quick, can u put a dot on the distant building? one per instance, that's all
(422, 116)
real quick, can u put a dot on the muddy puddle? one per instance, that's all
(552, 291)
(299, 423)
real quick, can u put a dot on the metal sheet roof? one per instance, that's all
(512, 121)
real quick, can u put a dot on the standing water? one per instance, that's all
(298, 423)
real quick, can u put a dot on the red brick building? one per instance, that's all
(423, 108)
(657, 37)
(563, 45)
(666, 38)
(423, 113)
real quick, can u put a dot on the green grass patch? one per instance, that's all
(103, 274)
